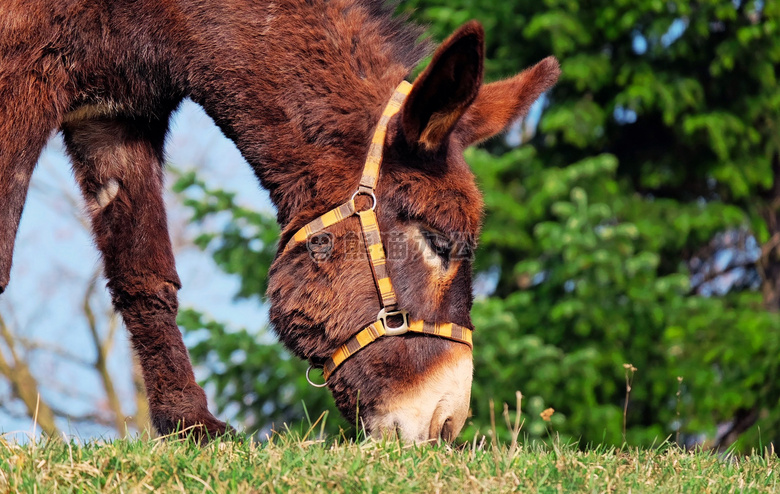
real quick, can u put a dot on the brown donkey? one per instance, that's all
(300, 86)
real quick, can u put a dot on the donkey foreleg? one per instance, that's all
(31, 101)
(14, 181)
(118, 164)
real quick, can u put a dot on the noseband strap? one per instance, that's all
(377, 329)
(376, 253)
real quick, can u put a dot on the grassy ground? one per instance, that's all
(290, 464)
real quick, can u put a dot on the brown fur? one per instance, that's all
(299, 86)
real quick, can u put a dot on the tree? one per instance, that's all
(682, 97)
(661, 138)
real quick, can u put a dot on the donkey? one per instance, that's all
(301, 87)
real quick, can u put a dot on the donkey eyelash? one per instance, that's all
(438, 242)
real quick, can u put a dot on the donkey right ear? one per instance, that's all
(443, 92)
(501, 103)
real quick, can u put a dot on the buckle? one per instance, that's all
(365, 191)
(398, 330)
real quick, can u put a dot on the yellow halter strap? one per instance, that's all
(376, 252)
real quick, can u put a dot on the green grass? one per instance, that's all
(288, 463)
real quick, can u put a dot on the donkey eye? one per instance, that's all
(440, 244)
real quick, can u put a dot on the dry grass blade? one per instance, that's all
(629, 369)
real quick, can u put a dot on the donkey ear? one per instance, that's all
(501, 103)
(443, 92)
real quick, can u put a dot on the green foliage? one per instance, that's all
(591, 293)
(696, 81)
(245, 246)
(590, 248)
(661, 133)
(306, 463)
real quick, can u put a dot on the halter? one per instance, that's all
(376, 254)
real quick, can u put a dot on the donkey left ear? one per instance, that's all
(501, 103)
(443, 92)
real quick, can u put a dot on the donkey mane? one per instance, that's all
(328, 72)
(335, 65)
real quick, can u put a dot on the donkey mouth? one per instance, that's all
(434, 408)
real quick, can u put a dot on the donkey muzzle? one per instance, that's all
(434, 408)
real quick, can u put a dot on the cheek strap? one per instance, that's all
(376, 254)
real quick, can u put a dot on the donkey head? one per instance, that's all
(429, 208)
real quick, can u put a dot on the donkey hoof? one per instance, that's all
(202, 429)
(208, 429)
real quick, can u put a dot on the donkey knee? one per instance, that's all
(144, 299)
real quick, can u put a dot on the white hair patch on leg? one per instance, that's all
(107, 193)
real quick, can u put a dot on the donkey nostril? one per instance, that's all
(396, 431)
(447, 433)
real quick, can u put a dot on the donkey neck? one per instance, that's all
(299, 88)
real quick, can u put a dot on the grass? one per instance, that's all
(291, 463)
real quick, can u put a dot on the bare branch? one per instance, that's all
(101, 347)
(93, 418)
(25, 386)
(32, 346)
(142, 419)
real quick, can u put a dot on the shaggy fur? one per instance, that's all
(298, 85)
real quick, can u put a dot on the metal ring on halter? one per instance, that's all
(310, 382)
(365, 192)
